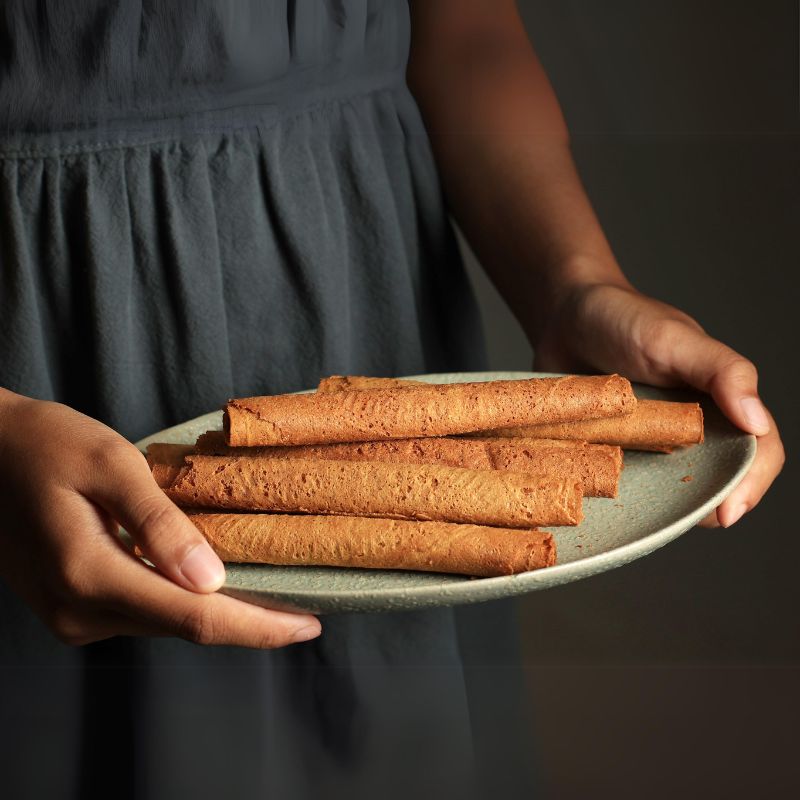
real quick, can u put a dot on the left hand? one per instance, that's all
(609, 328)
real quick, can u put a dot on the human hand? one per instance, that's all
(66, 484)
(611, 328)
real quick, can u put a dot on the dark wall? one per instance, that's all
(682, 666)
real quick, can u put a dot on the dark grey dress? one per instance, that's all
(203, 200)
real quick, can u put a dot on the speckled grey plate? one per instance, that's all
(654, 507)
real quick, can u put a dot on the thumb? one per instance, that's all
(730, 378)
(160, 529)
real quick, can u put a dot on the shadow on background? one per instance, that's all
(678, 675)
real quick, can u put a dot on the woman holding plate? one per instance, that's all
(227, 199)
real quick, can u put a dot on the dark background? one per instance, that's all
(677, 676)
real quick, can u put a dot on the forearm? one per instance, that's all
(502, 149)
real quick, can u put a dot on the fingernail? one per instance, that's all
(735, 515)
(756, 415)
(203, 569)
(304, 634)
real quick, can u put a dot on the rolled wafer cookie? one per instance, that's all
(656, 425)
(374, 543)
(400, 491)
(598, 466)
(417, 411)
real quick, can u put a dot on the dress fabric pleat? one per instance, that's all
(208, 200)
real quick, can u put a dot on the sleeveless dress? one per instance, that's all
(214, 199)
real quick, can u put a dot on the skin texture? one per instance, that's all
(503, 152)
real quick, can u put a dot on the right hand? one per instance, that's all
(67, 482)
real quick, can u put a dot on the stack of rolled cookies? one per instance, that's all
(385, 474)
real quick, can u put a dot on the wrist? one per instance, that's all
(579, 272)
(565, 289)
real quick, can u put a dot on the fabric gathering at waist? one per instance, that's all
(260, 106)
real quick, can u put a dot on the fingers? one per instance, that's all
(154, 602)
(78, 626)
(92, 588)
(734, 387)
(706, 364)
(125, 488)
(766, 467)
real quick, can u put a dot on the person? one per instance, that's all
(232, 199)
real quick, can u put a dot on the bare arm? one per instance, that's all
(503, 154)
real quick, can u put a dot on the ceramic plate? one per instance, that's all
(656, 504)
